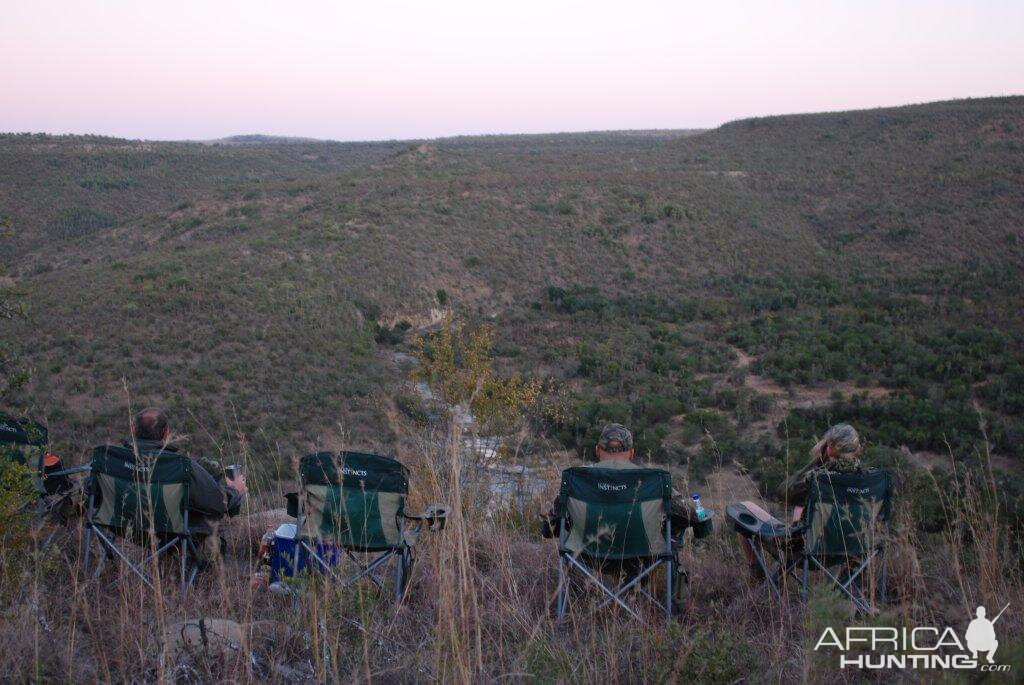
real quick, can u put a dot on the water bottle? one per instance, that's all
(698, 508)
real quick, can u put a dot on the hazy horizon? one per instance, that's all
(489, 133)
(396, 72)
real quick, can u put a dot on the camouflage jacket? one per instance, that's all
(795, 488)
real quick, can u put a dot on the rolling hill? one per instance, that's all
(245, 284)
(727, 293)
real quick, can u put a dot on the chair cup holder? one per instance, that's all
(436, 516)
(702, 529)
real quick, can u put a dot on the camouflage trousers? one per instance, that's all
(209, 546)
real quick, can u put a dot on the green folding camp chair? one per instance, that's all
(847, 519)
(844, 527)
(22, 440)
(357, 501)
(615, 520)
(143, 498)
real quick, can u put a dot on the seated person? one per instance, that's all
(208, 499)
(837, 452)
(615, 451)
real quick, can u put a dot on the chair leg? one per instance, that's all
(806, 579)
(87, 546)
(152, 559)
(759, 555)
(368, 571)
(46, 542)
(186, 547)
(856, 580)
(399, 577)
(111, 547)
(183, 549)
(318, 562)
(844, 587)
(563, 589)
(614, 595)
(881, 586)
(86, 550)
(670, 574)
(188, 570)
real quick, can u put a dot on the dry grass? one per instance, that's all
(479, 608)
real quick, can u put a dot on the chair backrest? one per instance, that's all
(353, 499)
(614, 513)
(846, 512)
(150, 490)
(22, 440)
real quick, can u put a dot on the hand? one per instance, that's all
(818, 453)
(238, 483)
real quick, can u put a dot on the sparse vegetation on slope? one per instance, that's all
(728, 294)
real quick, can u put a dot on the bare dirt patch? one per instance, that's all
(800, 396)
(933, 460)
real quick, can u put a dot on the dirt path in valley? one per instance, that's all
(806, 397)
(799, 396)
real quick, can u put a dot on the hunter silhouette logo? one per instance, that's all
(981, 634)
(876, 647)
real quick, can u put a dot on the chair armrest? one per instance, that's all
(435, 516)
(292, 504)
(70, 472)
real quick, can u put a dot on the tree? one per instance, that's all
(457, 364)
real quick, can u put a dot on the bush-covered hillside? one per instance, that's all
(729, 294)
(694, 284)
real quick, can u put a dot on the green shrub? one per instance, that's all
(75, 222)
(720, 655)
(16, 491)
(104, 182)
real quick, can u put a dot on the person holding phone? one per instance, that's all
(209, 499)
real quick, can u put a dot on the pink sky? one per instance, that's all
(389, 69)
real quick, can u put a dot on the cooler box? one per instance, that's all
(282, 559)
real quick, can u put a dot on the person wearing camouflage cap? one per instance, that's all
(614, 450)
(209, 499)
(615, 438)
